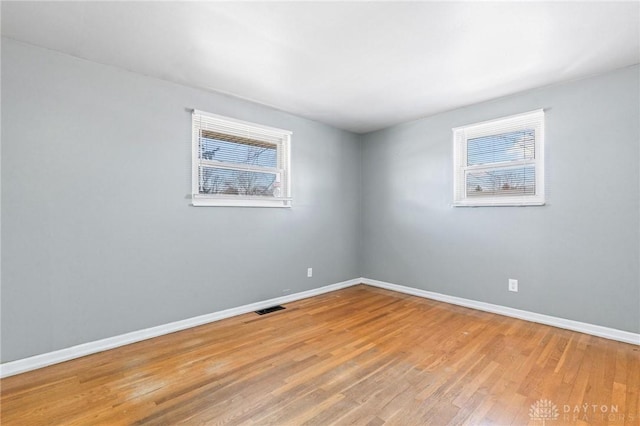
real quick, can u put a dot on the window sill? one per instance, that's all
(498, 203)
(228, 202)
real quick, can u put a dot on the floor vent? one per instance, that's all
(269, 310)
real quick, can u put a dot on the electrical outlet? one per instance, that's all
(309, 272)
(513, 285)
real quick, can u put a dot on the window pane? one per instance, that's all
(503, 182)
(214, 180)
(239, 152)
(512, 146)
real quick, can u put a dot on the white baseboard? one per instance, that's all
(38, 361)
(582, 327)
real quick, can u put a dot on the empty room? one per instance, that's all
(320, 213)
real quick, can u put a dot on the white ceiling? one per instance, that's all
(359, 66)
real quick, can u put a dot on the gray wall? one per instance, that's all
(98, 236)
(99, 239)
(576, 258)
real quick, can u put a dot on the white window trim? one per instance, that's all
(514, 122)
(220, 200)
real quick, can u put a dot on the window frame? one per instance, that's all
(461, 136)
(271, 135)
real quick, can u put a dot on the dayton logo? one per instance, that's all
(544, 410)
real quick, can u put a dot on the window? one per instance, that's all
(236, 163)
(500, 162)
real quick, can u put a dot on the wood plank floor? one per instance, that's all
(361, 355)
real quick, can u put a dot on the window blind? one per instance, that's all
(500, 162)
(239, 163)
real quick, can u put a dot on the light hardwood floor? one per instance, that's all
(360, 355)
